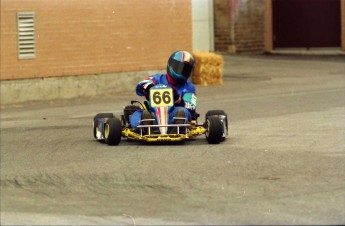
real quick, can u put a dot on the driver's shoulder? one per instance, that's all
(158, 76)
(190, 86)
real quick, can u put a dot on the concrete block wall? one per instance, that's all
(95, 37)
(67, 87)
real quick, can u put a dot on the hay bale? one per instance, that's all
(208, 69)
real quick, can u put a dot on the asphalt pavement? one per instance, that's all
(283, 162)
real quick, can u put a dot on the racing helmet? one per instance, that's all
(180, 66)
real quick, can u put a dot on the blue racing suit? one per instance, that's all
(186, 91)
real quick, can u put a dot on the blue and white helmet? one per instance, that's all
(180, 66)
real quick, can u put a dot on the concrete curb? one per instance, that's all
(55, 88)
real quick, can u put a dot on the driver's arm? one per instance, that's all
(144, 87)
(189, 98)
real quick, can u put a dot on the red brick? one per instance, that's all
(245, 20)
(91, 37)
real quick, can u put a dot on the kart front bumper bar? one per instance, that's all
(158, 126)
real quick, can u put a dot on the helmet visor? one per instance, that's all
(181, 68)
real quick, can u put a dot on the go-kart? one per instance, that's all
(110, 129)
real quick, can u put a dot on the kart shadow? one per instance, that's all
(165, 143)
(126, 142)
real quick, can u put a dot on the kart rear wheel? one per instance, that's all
(100, 115)
(222, 113)
(113, 131)
(214, 130)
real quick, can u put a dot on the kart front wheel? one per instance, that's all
(214, 130)
(95, 123)
(219, 113)
(113, 131)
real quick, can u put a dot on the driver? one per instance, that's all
(179, 68)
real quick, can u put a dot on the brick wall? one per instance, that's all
(222, 26)
(90, 37)
(250, 26)
(342, 8)
(239, 25)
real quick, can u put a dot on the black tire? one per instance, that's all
(214, 130)
(100, 115)
(113, 131)
(218, 112)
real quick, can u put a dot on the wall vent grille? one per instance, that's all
(26, 35)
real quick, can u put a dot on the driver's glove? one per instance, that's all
(145, 88)
(177, 96)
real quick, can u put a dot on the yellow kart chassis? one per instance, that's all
(192, 131)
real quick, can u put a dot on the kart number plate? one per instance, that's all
(161, 97)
